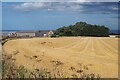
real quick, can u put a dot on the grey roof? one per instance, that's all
(26, 31)
(43, 30)
(32, 31)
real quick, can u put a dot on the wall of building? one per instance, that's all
(26, 34)
(41, 33)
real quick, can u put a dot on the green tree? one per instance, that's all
(83, 29)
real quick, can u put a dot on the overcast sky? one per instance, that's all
(52, 15)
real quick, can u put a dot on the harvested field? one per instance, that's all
(67, 56)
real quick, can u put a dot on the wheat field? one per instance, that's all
(67, 55)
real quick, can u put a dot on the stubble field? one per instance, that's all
(68, 56)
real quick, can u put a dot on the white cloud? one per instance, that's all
(60, 6)
(50, 9)
(68, 7)
(76, 7)
(115, 8)
(28, 6)
(60, 0)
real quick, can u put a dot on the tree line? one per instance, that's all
(83, 29)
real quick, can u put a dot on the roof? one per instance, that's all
(32, 31)
(26, 31)
(43, 30)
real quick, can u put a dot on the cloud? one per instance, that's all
(79, 7)
(50, 9)
(60, 0)
(50, 6)
(115, 8)
(97, 0)
(31, 6)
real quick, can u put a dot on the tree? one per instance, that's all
(83, 29)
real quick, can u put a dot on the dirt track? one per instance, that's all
(67, 55)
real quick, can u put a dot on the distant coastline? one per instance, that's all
(9, 30)
(111, 31)
(115, 31)
(16, 30)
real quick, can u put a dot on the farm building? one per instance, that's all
(25, 33)
(8, 34)
(28, 33)
(44, 33)
(4, 34)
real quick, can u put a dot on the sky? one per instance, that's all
(52, 15)
(60, 0)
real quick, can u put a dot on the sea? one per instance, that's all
(6, 31)
(115, 31)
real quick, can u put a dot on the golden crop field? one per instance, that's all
(68, 56)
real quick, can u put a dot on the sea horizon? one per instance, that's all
(111, 31)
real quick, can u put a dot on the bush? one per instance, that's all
(21, 72)
(117, 36)
(53, 36)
